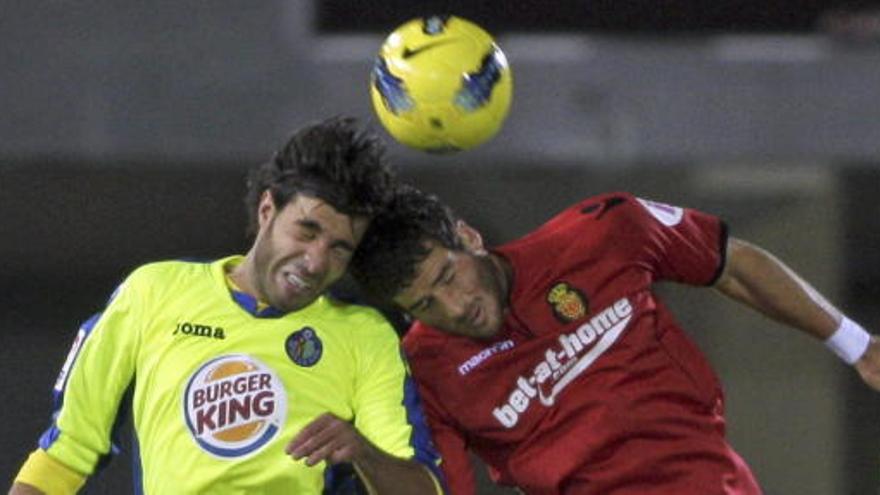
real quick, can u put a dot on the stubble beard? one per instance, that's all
(489, 278)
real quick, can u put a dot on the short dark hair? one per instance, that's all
(397, 241)
(334, 160)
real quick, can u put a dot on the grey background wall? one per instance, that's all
(126, 129)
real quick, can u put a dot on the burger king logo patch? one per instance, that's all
(234, 405)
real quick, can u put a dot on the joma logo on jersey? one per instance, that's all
(564, 362)
(234, 405)
(198, 330)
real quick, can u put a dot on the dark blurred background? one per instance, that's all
(126, 129)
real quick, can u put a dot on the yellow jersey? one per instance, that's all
(220, 386)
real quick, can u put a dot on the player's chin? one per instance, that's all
(482, 332)
(294, 302)
(292, 298)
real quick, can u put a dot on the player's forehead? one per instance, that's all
(317, 214)
(428, 272)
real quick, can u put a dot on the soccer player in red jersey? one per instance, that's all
(552, 359)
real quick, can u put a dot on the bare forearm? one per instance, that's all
(760, 280)
(383, 474)
(756, 278)
(329, 438)
(24, 489)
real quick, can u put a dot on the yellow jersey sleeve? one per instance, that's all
(51, 477)
(105, 347)
(386, 403)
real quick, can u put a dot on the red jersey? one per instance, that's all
(590, 387)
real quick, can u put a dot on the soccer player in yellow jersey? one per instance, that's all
(246, 377)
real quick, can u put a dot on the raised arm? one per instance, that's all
(334, 440)
(758, 279)
(385, 438)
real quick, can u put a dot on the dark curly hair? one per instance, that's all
(333, 160)
(397, 241)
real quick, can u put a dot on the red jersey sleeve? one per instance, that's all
(451, 444)
(680, 244)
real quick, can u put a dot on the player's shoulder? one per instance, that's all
(358, 322)
(422, 341)
(612, 197)
(167, 278)
(570, 222)
(600, 205)
(169, 269)
(355, 312)
(611, 207)
(597, 207)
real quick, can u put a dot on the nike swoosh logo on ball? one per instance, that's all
(411, 52)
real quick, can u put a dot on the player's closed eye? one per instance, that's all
(305, 234)
(423, 305)
(305, 230)
(341, 252)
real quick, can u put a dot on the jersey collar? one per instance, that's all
(245, 301)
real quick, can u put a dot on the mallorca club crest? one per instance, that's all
(234, 405)
(304, 347)
(568, 303)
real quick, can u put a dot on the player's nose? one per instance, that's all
(317, 259)
(455, 304)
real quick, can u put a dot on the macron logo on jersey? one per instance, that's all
(564, 362)
(478, 358)
(234, 405)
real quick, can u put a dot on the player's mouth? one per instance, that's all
(297, 282)
(475, 316)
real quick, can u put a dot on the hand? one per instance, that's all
(327, 438)
(869, 364)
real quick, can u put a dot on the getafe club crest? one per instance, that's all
(568, 303)
(304, 347)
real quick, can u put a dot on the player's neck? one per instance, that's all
(504, 275)
(241, 276)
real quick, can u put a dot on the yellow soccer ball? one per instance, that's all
(441, 84)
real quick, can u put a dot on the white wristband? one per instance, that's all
(849, 341)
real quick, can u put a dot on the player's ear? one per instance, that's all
(472, 240)
(266, 208)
